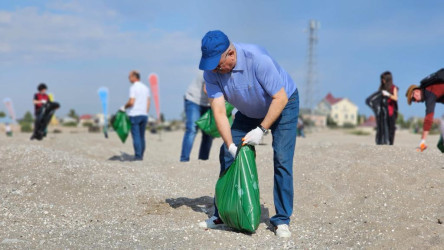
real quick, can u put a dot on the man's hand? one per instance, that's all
(422, 146)
(386, 93)
(253, 137)
(233, 150)
(43, 101)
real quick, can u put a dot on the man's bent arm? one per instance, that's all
(278, 103)
(220, 116)
(424, 134)
(130, 103)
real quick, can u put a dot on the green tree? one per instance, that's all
(361, 119)
(2, 114)
(27, 118)
(26, 122)
(401, 122)
(72, 113)
(331, 123)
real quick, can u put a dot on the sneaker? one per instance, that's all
(282, 231)
(212, 223)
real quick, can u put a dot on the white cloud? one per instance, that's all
(34, 36)
(5, 17)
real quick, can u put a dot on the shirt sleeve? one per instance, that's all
(430, 101)
(148, 92)
(36, 97)
(213, 89)
(268, 75)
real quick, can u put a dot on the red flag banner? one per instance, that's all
(154, 85)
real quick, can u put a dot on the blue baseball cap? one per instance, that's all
(214, 44)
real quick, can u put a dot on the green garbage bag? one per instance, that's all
(121, 125)
(237, 192)
(207, 123)
(441, 144)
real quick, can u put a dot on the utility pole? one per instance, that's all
(310, 88)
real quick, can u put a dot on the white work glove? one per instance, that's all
(253, 137)
(122, 109)
(422, 146)
(43, 101)
(233, 150)
(386, 93)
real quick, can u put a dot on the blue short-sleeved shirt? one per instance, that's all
(253, 81)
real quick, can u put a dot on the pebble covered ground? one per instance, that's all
(79, 190)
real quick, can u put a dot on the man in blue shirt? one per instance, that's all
(267, 98)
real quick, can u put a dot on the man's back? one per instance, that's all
(140, 93)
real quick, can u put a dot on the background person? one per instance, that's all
(8, 130)
(137, 109)
(266, 98)
(430, 95)
(40, 99)
(390, 91)
(196, 104)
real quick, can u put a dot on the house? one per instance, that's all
(86, 120)
(340, 110)
(368, 125)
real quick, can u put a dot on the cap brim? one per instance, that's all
(409, 93)
(209, 63)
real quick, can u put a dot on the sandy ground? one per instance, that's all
(78, 190)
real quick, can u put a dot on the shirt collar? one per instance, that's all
(240, 58)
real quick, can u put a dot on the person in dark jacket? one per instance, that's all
(390, 91)
(430, 95)
(40, 98)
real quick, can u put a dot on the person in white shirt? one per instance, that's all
(137, 109)
(196, 104)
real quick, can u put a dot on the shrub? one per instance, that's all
(348, 125)
(70, 124)
(331, 123)
(88, 124)
(26, 127)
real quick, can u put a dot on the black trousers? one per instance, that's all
(392, 127)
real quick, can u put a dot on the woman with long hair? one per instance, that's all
(390, 91)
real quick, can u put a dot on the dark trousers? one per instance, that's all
(392, 128)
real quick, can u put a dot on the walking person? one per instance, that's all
(137, 109)
(266, 98)
(196, 104)
(390, 91)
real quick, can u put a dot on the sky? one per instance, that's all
(77, 46)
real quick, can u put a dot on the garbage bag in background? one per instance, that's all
(441, 144)
(207, 123)
(378, 103)
(42, 120)
(441, 141)
(121, 125)
(237, 192)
